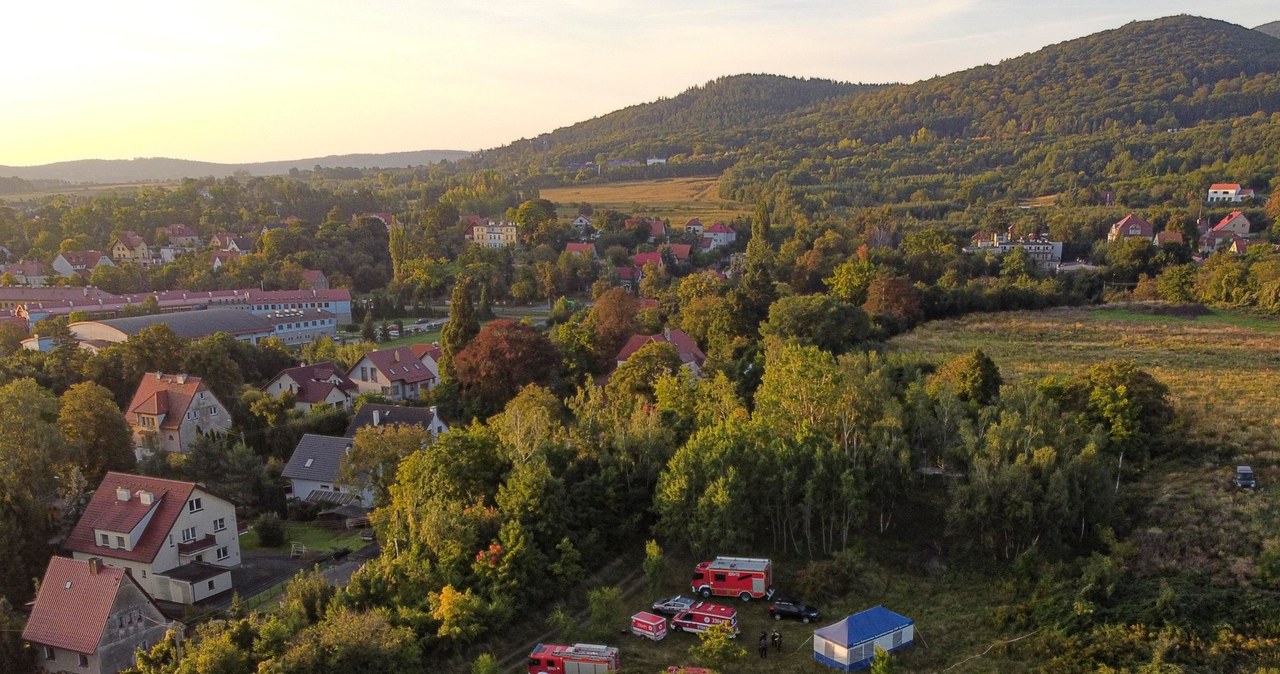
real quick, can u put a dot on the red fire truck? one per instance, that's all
(703, 615)
(744, 577)
(575, 659)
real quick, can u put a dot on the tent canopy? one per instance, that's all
(863, 626)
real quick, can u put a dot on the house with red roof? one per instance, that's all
(314, 279)
(1228, 192)
(642, 259)
(221, 257)
(1167, 237)
(397, 374)
(169, 411)
(176, 539)
(429, 354)
(80, 262)
(716, 236)
(311, 385)
(693, 227)
(1235, 225)
(628, 277)
(89, 617)
(691, 356)
(680, 251)
(28, 273)
(657, 230)
(130, 247)
(1131, 226)
(179, 235)
(588, 249)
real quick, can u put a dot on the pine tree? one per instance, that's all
(461, 329)
(749, 302)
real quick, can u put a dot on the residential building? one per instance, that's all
(169, 411)
(693, 228)
(1131, 226)
(177, 540)
(30, 273)
(583, 225)
(1046, 253)
(628, 277)
(89, 617)
(221, 257)
(1167, 237)
(130, 247)
(680, 251)
(179, 236)
(642, 259)
(691, 356)
(80, 262)
(494, 234)
(314, 473)
(1235, 225)
(376, 414)
(314, 279)
(588, 249)
(1228, 193)
(397, 374)
(716, 236)
(429, 354)
(322, 383)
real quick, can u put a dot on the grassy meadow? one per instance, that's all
(678, 199)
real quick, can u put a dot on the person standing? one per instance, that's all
(764, 645)
(777, 641)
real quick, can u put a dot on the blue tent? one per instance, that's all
(850, 644)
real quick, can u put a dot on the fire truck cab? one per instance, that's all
(703, 615)
(744, 577)
(575, 659)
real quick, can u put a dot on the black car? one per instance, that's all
(1244, 478)
(790, 608)
(673, 605)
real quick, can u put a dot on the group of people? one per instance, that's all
(765, 640)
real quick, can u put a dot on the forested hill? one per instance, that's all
(164, 168)
(1272, 29)
(719, 114)
(1168, 73)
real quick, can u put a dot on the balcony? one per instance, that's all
(199, 545)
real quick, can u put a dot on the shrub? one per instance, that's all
(270, 530)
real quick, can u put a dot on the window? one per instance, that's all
(48, 653)
(84, 660)
(213, 411)
(188, 534)
(223, 553)
(220, 524)
(210, 585)
(195, 505)
(171, 540)
(104, 539)
(119, 541)
(144, 573)
(202, 395)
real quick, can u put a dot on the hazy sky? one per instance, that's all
(258, 80)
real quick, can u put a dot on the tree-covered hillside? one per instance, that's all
(722, 113)
(1272, 29)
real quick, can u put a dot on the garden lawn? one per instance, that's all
(318, 539)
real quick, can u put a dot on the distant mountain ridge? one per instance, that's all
(163, 168)
(1272, 29)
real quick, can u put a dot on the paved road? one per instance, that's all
(339, 574)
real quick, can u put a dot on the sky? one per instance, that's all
(260, 80)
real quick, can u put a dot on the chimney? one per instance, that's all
(95, 565)
(122, 493)
(145, 497)
(433, 411)
(376, 417)
(182, 378)
(86, 291)
(157, 375)
(396, 353)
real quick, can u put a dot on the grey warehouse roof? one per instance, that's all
(195, 324)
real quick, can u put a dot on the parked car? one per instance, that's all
(1244, 478)
(673, 605)
(790, 608)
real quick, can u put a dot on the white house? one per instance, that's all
(169, 411)
(1228, 192)
(177, 540)
(322, 383)
(397, 374)
(314, 470)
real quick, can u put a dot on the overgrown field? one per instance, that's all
(679, 199)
